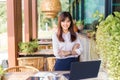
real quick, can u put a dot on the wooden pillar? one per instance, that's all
(28, 19)
(34, 20)
(14, 25)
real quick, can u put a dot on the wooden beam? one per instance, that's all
(28, 19)
(34, 20)
(14, 26)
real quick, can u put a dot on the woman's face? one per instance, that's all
(65, 24)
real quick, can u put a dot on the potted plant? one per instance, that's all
(80, 24)
(1, 72)
(28, 47)
(90, 34)
(108, 45)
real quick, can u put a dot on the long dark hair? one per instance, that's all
(61, 18)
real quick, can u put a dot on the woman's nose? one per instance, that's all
(65, 23)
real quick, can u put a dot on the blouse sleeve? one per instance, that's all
(80, 49)
(55, 45)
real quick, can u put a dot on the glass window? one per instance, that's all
(116, 5)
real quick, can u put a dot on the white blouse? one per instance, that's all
(67, 45)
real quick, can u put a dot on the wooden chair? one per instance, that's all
(22, 69)
(50, 63)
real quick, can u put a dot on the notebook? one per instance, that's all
(83, 70)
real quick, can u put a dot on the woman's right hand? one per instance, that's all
(76, 46)
(63, 53)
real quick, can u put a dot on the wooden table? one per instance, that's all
(40, 53)
(18, 75)
(26, 75)
(45, 43)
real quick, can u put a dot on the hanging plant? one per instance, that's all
(108, 44)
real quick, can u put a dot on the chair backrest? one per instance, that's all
(37, 62)
(22, 69)
(51, 63)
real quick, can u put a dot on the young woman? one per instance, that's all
(66, 43)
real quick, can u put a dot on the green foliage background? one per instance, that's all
(108, 44)
(1, 70)
(3, 17)
(28, 47)
(41, 17)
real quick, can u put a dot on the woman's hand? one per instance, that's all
(76, 46)
(63, 53)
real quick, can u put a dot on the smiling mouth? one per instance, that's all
(65, 26)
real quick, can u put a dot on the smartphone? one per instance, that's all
(35, 78)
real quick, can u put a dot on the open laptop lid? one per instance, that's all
(83, 70)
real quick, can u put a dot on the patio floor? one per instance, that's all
(3, 50)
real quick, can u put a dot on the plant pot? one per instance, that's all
(75, 28)
(80, 27)
(88, 34)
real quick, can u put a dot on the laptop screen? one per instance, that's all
(83, 70)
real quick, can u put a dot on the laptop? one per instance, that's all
(83, 70)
